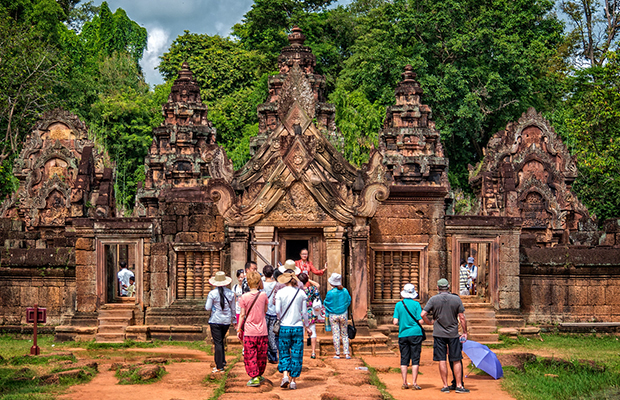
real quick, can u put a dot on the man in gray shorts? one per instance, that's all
(447, 310)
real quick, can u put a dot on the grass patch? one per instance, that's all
(220, 382)
(552, 379)
(375, 381)
(131, 376)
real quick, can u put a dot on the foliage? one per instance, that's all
(591, 129)
(220, 65)
(28, 70)
(264, 28)
(480, 64)
(359, 121)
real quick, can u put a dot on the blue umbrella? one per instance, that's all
(483, 358)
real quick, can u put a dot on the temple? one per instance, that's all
(540, 255)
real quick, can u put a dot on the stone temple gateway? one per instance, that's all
(541, 257)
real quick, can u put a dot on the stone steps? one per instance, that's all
(112, 322)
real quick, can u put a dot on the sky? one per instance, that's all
(165, 20)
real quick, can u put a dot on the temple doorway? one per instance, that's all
(485, 254)
(293, 241)
(110, 255)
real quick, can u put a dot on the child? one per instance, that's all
(131, 289)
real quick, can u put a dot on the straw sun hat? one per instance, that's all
(289, 264)
(220, 279)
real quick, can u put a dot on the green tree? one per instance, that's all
(591, 130)
(480, 64)
(220, 65)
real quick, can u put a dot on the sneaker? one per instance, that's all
(445, 389)
(337, 356)
(284, 383)
(293, 386)
(217, 370)
(261, 379)
(254, 382)
(462, 390)
(452, 387)
(348, 357)
(313, 356)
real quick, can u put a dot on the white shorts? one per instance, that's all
(313, 329)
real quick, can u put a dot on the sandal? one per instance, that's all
(415, 386)
(405, 386)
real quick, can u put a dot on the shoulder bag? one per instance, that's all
(416, 321)
(351, 329)
(242, 327)
(276, 325)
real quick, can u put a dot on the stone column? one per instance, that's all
(238, 236)
(359, 271)
(263, 234)
(333, 240)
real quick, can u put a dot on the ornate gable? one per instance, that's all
(528, 172)
(61, 175)
(294, 155)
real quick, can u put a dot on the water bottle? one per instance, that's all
(362, 368)
(462, 339)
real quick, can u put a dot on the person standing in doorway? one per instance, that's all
(123, 278)
(463, 279)
(336, 303)
(407, 317)
(252, 329)
(269, 286)
(447, 311)
(291, 310)
(473, 275)
(305, 265)
(220, 303)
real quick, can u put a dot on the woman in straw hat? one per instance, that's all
(406, 313)
(336, 303)
(291, 310)
(220, 302)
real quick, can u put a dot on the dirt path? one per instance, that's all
(321, 379)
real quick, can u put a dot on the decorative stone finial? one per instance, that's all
(296, 38)
(409, 75)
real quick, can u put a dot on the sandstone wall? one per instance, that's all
(29, 275)
(570, 284)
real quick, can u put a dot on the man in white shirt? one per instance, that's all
(473, 275)
(123, 278)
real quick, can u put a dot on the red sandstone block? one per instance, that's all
(578, 295)
(146, 249)
(159, 281)
(181, 208)
(158, 298)
(85, 273)
(612, 293)
(83, 257)
(159, 249)
(596, 295)
(159, 264)
(84, 244)
(169, 227)
(186, 237)
(87, 304)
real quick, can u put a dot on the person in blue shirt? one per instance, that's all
(336, 303)
(407, 316)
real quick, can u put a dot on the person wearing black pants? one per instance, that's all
(218, 334)
(220, 301)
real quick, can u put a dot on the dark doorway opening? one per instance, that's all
(294, 247)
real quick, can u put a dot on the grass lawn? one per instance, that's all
(576, 367)
(21, 375)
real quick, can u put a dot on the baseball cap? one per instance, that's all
(443, 282)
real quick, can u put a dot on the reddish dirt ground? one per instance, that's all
(324, 379)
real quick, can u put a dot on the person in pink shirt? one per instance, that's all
(252, 329)
(306, 266)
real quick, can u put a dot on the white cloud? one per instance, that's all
(158, 42)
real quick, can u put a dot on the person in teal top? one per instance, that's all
(406, 313)
(336, 303)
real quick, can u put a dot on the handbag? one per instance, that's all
(242, 327)
(416, 321)
(276, 326)
(351, 329)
